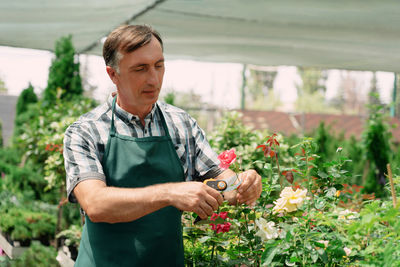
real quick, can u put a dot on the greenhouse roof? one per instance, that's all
(345, 34)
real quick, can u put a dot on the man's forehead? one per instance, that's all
(149, 53)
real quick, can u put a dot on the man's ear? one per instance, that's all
(112, 74)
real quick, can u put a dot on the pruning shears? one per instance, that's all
(225, 185)
(229, 184)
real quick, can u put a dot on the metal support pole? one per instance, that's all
(244, 82)
(393, 106)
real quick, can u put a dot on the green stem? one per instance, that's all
(212, 252)
(279, 170)
(308, 180)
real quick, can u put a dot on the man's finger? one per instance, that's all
(212, 202)
(207, 209)
(247, 181)
(215, 194)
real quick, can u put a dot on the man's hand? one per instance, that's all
(250, 189)
(194, 196)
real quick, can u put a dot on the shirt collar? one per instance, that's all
(125, 115)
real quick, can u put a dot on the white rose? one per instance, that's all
(267, 230)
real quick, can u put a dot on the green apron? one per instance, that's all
(154, 239)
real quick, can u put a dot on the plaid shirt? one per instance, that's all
(85, 141)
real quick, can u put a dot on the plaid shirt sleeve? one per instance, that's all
(81, 157)
(204, 159)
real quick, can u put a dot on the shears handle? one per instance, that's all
(218, 185)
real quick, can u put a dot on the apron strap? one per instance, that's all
(163, 122)
(112, 130)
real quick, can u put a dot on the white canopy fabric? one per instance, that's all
(344, 34)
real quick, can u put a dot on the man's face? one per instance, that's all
(141, 75)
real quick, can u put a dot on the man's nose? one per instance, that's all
(152, 77)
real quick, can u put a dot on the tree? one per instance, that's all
(311, 93)
(64, 80)
(376, 139)
(374, 92)
(26, 97)
(314, 80)
(261, 91)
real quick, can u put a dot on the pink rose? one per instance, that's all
(227, 158)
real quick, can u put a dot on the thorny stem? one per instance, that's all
(279, 170)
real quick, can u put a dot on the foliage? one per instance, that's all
(41, 124)
(64, 80)
(23, 224)
(261, 95)
(311, 92)
(37, 255)
(323, 229)
(26, 97)
(169, 98)
(24, 181)
(71, 236)
(3, 88)
(1, 134)
(376, 138)
(231, 133)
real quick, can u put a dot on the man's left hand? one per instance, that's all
(250, 189)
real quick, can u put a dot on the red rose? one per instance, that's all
(223, 215)
(213, 226)
(213, 217)
(226, 227)
(227, 158)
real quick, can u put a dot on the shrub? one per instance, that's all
(24, 225)
(376, 139)
(64, 80)
(26, 97)
(37, 256)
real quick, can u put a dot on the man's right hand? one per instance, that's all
(194, 196)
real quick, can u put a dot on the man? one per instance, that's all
(127, 162)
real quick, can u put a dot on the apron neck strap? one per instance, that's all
(112, 130)
(163, 120)
(164, 124)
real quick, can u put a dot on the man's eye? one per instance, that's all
(139, 69)
(160, 66)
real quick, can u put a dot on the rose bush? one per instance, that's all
(317, 217)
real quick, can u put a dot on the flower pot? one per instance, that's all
(12, 249)
(64, 259)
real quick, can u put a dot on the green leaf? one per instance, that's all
(318, 244)
(322, 255)
(288, 236)
(322, 174)
(204, 239)
(338, 186)
(269, 255)
(314, 256)
(330, 192)
(320, 203)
